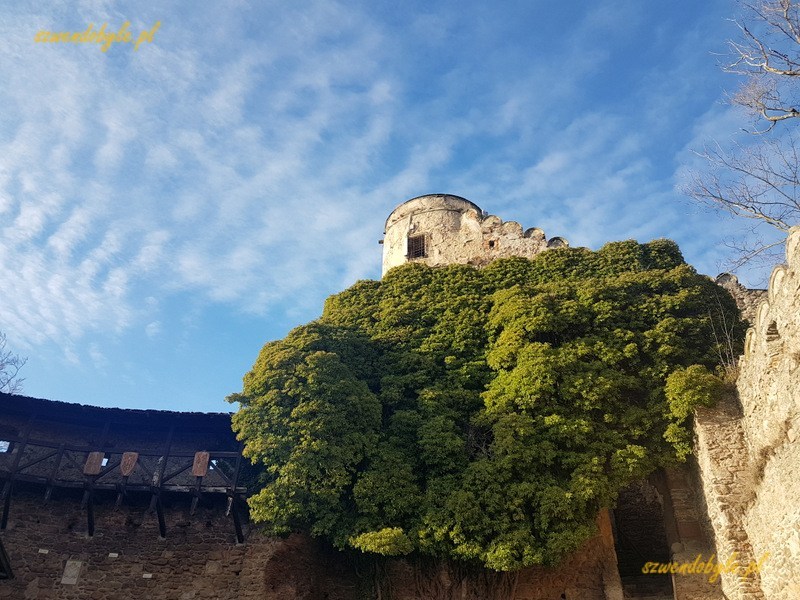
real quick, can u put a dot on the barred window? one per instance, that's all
(416, 246)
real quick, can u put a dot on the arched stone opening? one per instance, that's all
(640, 537)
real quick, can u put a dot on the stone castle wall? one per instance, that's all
(54, 559)
(590, 573)
(453, 230)
(747, 300)
(187, 545)
(172, 529)
(748, 449)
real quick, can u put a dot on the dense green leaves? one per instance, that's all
(482, 415)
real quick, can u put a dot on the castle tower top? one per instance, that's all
(442, 229)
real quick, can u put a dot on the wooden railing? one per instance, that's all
(54, 465)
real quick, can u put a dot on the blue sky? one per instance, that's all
(164, 212)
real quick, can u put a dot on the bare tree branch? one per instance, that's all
(760, 180)
(10, 365)
(755, 251)
(768, 55)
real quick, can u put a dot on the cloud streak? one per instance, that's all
(245, 161)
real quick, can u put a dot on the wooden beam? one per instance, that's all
(126, 467)
(196, 495)
(237, 522)
(94, 463)
(167, 448)
(8, 488)
(37, 460)
(90, 513)
(23, 443)
(199, 470)
(173, 474)
(53, 472)
(200, 464)
(237, 469)
(128, 463)
(5, 563)
(162, 525)
(52, 445)
(159, 475)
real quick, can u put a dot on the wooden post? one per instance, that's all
(90, 513)
(199, 470)
(126, 467)
(8, 487)
(162, 525)
(51, 479)
(237, 522)
(159, 474)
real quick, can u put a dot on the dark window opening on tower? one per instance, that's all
(416, 246)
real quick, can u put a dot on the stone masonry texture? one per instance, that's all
(738, 500)
(127, 554)
(748, 448)
(456, 231)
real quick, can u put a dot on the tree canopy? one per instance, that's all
(482, 415)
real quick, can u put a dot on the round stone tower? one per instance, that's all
(441, 229)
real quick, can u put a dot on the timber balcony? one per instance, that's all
(58, 445)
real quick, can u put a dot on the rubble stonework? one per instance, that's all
(749, 453)
(747, 300)
(453, 230)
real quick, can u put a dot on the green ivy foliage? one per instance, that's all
(483, 415)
